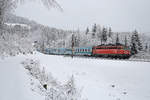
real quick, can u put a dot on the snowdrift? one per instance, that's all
(99, 79)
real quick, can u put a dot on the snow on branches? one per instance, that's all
(46, 85)
(14, 41)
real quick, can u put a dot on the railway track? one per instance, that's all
(102, 58)
(117, 59)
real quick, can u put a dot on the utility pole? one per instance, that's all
(72, 45)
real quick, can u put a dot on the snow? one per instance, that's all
(14, 82)
(98, 79)
(15, 24)
(145, 56)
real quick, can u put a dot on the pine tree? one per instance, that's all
(87, 31)
(136, 44)
(117, 40)
(104, 35)
(110, 32)
(99, 32)
(146, 47)
(94, 30)
(125, 41)
(134, 48)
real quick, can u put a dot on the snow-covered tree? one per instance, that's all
(47, 3)
(14, 39)
(125, 41)
(136, 44)
(71, 90)
(117, 40)
(146, 47)
(99, 32)
(104, 35)
(94, 29)
(110, 32)
(87, 31)
(6, 6)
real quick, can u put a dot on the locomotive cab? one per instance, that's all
(114, 51)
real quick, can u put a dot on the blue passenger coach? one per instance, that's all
(86, 51)
(68, 51)
(58, 51)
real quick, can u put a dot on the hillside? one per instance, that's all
(60, 38)
(21, 34)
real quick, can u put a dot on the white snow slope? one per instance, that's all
(99, 79)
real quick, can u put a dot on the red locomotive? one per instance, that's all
(114, 51)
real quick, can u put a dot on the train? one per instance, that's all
(111, 51)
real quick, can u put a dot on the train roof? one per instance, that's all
(83, 47)
(110, 45)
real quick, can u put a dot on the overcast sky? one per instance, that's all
(121, 15)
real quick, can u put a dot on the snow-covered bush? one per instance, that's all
(46, 85)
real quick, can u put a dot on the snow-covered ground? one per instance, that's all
(14, 82)
(99, 79)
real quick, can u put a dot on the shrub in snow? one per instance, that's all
(45, 84)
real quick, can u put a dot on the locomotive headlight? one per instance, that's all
(125, 52)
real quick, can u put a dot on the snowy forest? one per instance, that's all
(20, 36)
